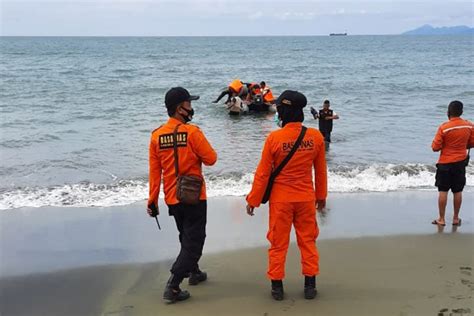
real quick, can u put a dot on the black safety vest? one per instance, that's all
(325, 125)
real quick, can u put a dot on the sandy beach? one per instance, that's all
(379, 256)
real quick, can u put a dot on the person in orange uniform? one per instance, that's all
(267, 93)
(294, 196)
(193, 149)
(453, 138)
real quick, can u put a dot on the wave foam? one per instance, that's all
(374, 178)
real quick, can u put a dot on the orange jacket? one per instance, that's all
(295, 181)
(452, 138)
(193, 150)
(268, 95)
(236, 86)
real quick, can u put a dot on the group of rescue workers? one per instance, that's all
(290, 157)
(244, 97)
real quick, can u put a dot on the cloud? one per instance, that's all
(339, 11)
(256, 15)
(225, 17)
(294, 16)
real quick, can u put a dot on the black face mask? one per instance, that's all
(189, 116)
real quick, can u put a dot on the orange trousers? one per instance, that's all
(303, 216)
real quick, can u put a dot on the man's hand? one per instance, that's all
(250, 210)
(152, 210)
(321, 204)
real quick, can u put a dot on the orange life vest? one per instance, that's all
(268, 95)
(235, 86)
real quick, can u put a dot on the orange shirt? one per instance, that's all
(452, 138)
(193, 150)
(295, 181)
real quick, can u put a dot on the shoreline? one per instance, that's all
(379, 256)
(52, 239)
(389, 275)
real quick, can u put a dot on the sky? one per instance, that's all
(226, 17)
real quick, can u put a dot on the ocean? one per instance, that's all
(77, 112)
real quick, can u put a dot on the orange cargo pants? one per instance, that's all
(303, 216)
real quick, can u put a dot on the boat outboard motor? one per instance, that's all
(258, 99)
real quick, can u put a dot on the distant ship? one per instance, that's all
(338, 34)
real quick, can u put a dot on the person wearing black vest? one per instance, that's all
(325, 116)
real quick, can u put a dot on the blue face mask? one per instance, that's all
(277, 120)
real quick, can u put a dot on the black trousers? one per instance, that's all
(191, 224)
(326, 135)
(223, 93)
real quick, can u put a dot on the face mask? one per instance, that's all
(277, 120)
(189, 116)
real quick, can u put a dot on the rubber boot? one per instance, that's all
(172, 292)
(310, 287)
(277, 290)
(197, 277)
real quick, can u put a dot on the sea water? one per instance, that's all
(77, 113)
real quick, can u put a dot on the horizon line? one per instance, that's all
(297, 35)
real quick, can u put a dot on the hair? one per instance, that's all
(326, 102)
(288, 114)
(172, 109)
(262, 83)
(455, 108)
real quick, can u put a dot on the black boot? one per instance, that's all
(277, 290)
(172, 291)
(310, 287)
(197, 277)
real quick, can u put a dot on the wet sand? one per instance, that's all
(379, 256)
(395, 275)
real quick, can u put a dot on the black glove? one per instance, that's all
(314, 112)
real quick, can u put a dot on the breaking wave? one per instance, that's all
(372, 178)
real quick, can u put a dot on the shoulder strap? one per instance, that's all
(274, 174)
(291, 153)
(175, 149)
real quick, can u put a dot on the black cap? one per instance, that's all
(292, 98)
(177, 95)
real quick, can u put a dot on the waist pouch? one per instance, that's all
(188, 187)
